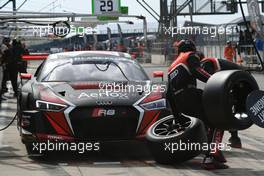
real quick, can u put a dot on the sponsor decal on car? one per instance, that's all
(103, 95)
(101, 112)
(104, 103)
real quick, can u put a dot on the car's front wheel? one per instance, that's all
(173, 141)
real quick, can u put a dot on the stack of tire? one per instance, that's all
(224, 98)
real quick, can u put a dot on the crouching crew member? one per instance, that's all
(184, 96)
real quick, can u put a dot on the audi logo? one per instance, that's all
(104, 102)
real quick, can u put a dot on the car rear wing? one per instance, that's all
(35, 56)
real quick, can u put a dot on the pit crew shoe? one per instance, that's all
(209, 163)
(219, 156)
(235, 142)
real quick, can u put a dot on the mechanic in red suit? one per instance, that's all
(184, 96)
(213, 65)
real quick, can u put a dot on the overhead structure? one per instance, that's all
(19, 23)
(171, 9)
(200, 7)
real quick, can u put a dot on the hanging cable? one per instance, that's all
(14, 118)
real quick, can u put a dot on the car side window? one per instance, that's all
(39, 69)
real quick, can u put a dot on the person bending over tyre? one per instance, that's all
(213, 65)
(185, 98)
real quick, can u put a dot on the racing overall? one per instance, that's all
(183, 96)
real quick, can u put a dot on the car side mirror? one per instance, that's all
(133, 56)
(158, 74)
(26, 76)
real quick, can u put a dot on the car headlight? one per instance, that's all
(48, 106)
(155, 105)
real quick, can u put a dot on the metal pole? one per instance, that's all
(175, 18)
(21, 5)
(148, 11)
(14, 13)
(5, 4)
(161, 24)
(145, 31)
(14, 7)
(150, 7)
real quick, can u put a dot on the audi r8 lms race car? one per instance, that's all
(131, 87)
(102, 96)
(88, 96)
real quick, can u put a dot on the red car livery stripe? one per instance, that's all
(81, 86)
(59, 123)
(149, 118)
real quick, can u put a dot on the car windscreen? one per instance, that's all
(91, 69)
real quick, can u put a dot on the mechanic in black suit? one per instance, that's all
(5, 55)
(12, 59)
(184, 96)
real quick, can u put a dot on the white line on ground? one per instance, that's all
(107, 163)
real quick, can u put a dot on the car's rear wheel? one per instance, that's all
(169, 139)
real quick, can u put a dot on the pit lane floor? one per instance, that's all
(121, 159)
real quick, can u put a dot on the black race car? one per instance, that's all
(88, 96)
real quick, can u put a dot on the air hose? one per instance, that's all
(14, 118)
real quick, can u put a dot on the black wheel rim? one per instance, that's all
(171, 127)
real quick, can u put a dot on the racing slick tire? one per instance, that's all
(188, 131)
(224, 99)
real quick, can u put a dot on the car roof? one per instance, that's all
(89, 54)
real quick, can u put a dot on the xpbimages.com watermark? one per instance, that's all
(131, 88)
(80, 147)
(61, 29)
(212, 31)
(124, 91)
(191, 146)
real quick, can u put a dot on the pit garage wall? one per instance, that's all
(212, 51)
(209, 51)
